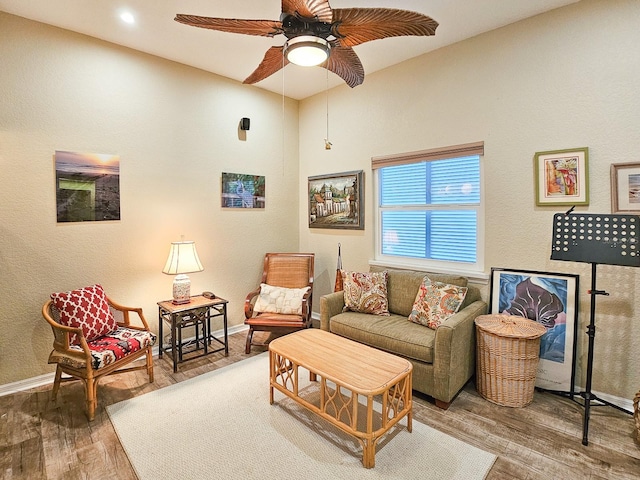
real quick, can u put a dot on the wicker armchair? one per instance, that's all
(89, 359)
(286, 272)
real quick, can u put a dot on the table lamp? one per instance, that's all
(182, 259)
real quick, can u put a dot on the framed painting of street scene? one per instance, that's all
(336, 201)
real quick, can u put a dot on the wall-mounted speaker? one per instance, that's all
(245, 123)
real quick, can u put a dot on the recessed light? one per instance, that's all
(127, 17)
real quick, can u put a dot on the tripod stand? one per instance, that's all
(595, 239)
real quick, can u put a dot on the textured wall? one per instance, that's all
(564, 79)
(175, 129)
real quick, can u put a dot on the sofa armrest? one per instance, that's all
(330, 305)
(455, 349)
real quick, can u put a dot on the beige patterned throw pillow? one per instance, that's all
(287, 301)
(365, 292)
(436, 302)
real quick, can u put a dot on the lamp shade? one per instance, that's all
(307, 50)
(183, 258)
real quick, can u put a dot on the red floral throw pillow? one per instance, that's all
(86, 308)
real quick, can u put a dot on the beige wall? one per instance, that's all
(175, 129)
(560, 80)
(564, 79)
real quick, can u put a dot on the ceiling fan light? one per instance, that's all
(307, 50)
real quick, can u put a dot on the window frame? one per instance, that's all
(472, 270)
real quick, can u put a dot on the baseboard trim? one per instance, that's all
(47, 378)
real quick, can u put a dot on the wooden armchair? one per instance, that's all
(282, 302)
(94, 337)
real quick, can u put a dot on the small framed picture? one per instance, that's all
(240, 190)
(562, 177)
(625, 188)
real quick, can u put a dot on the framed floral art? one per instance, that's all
(562, 177)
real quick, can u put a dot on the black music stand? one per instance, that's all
(596, 239)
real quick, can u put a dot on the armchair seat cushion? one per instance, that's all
(107, 349)
(390, 333)
(275, 319)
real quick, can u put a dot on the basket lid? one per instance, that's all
(510, 326)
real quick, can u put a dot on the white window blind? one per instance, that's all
(429, 209)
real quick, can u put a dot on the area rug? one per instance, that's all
(221, 425)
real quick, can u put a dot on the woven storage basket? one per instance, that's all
(507, 352)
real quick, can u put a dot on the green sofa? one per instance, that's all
(443, 359)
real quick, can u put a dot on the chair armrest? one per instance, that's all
(307, 300)
(122, 315)
(455, 348)
(249, 302)
(62, 335)
(330, 305)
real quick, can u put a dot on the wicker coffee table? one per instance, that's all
(347, 370)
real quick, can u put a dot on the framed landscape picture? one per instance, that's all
(550, 299)
(87, 187)
(625, 188)
(562, 177)
(242, 191)
(336, 201)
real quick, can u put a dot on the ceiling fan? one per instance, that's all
(327, 35)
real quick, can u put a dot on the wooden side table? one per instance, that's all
(197, 314)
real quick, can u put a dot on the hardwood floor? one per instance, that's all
(40, 439)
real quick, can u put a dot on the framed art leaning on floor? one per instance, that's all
(550, 299)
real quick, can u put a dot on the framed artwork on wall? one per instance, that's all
(625, 188)
(562, 177)
(336, 201)
(550, 299)
(87, 187)
(242, 191)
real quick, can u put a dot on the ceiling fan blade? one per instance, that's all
(273, 61)
(309, 9)
(344, 62)
(261, 28)
(360, 25)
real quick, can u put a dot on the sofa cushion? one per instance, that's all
(403, 285)
(436, 302)
(392, 334)
(274, 299)
(365, 292)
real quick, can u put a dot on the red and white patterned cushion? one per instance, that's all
(108, 349)
(86, 308)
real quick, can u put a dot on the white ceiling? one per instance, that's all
(236, 56)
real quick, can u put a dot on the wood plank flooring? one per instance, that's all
(40, 439)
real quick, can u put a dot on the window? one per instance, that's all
(429, 208)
